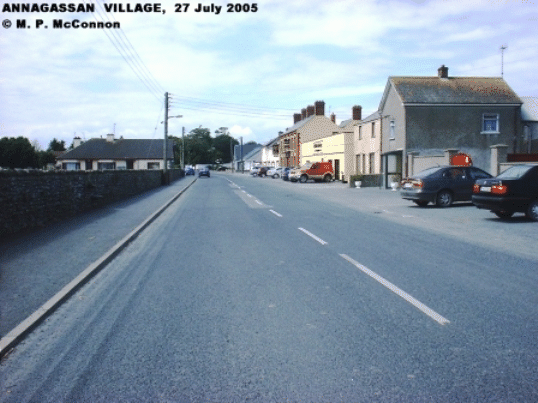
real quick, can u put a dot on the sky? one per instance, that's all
(248, 71)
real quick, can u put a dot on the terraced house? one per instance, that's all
(296, 144)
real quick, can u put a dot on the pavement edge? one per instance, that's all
(15, 336)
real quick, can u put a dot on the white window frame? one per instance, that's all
(490, 117)
(392, 134)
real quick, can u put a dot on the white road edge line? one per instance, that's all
(321, 241)
(275, 213)
(259, 202)
(430, 312)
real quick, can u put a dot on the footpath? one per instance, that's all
(36, 266)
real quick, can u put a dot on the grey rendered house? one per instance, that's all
(111, 153)
(529, 117)
(427, 116)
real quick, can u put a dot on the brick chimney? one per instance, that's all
(303, 113)
(297, 117)
(310, 110)
(442, 72)
(333, 118)
(356, 112)
(320, 108)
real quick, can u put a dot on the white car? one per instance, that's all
(254, 171)
(275, 173)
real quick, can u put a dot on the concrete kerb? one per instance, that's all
(15, 336)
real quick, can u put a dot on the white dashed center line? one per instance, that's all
(275, 213)
(321, 241)
(430, 312)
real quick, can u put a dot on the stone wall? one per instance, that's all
(31, 199)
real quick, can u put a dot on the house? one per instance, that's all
(367, 145)
(240, 153)
(311, 125)
(111, 153)
(253, 158)
(529, 118)
(428, 116)
(270, 156)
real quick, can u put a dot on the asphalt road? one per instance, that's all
(252, 289)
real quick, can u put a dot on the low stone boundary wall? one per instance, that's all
(33, 198)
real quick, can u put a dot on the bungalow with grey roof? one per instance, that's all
(111, 153)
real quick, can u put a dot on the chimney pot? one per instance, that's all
(319, 108)
(442, 72)
(356, 112)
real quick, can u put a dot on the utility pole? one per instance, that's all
(165, 146)
(183, 149)
(242, 162)
(503, 47)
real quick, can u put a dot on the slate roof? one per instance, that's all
(299, 124)
(453, 90)
(120, 149)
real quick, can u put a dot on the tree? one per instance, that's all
(17, 153)
(223, 150)
(56, 145)
(199, 147)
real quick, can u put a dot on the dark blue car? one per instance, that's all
(204, 172)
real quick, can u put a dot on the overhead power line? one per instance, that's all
(128, 56)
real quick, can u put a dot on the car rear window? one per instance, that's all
(515, 172)
(427, 172)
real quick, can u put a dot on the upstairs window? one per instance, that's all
(392, 130)
(490, 123)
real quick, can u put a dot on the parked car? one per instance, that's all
(513, 191)
(204, 172)
(319, 171)
(263, 171)
(441, 185)
(254, 171)
(285, 174)
(274, 173)
(189, 171)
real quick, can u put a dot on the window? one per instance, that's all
(360, 132)
(392, 130)
(106, 165)
(373, 129)
(154, 165)
(371, 163)
(71, 166)
(490, 123)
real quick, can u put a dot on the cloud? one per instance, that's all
(237, 130)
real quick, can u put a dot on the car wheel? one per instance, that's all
(303, 178)
(532, 211)
(327, 178)
(504, 214)
(444, 199)
(275, 176)
(421, 203)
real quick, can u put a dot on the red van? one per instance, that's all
(319, 171)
